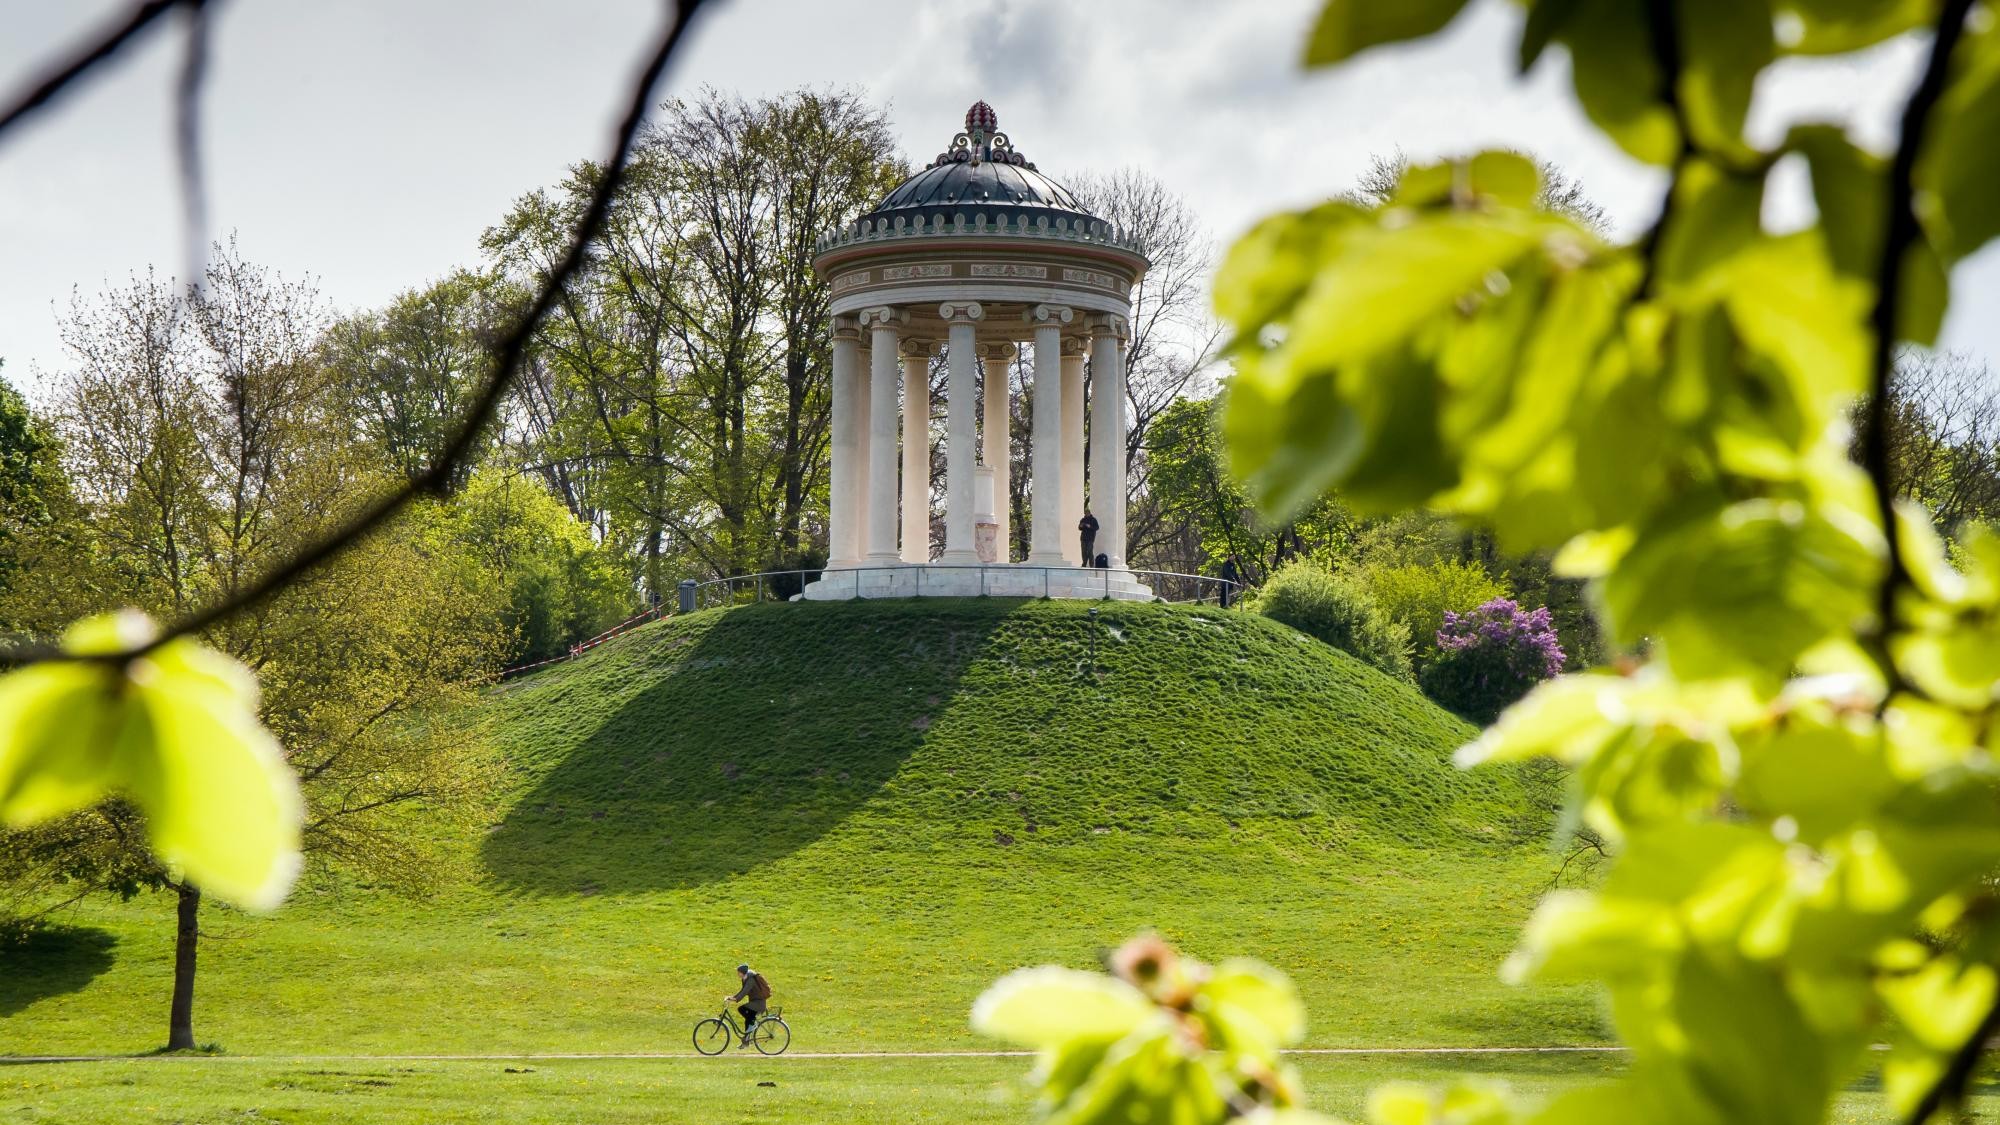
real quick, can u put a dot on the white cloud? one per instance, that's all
(370, 142)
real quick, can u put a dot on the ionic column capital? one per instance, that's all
(1110, 324)
(998, 351)
(1043, 316)
(882, 316)
(1074, 346)
(916, 347)
(844, 328)
(955, 312)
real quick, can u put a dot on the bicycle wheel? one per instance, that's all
(711, 1036)
(771, 1036)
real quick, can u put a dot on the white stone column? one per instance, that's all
(961, 389)
(1045, 515)
(1107, 435)
(1072, 449)
(917, 450)
(883, 324)
(844, 490)
(998, 449)
(864, 382)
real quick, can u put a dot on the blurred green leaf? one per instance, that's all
(1960, 163)
(1050, 1006)
(1256, 1003)
(175, 730)
(1829, 27)
(1725, 44)
(1617, 77)
(1347, 27)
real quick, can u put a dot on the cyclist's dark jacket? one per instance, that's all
(753, 1003)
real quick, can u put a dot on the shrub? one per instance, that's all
(1490, 657)
(1418, 595)
(1336, 609)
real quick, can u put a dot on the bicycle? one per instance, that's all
(770, 1034)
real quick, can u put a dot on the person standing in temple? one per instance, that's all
(1087, 527)
(1228, 579)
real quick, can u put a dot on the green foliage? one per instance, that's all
(560, 586)
(1418, 595)
(1337, 609)
(1797, 784)
(176, 732)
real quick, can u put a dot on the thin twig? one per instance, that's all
(103, 47)
(1664, 34)
(508, 356)
(187, 128)
(1900, 232)
(1949, 1089)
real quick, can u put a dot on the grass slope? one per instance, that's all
(885, 806)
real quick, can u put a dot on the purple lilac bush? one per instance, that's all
(1490, 657)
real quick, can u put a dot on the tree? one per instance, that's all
(678, 395)
(227, 450)
(1210, 516)
(560, 586)
(406, 372)
(1174, 334)
(34, 494)
(1944, 437)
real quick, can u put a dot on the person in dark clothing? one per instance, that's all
(1087, 527)
(1228, 579)
(756, 997)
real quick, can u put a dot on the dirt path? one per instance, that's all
(18, 1060)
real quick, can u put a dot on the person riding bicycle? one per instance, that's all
(756, 996)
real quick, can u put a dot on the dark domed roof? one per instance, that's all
(980, 173)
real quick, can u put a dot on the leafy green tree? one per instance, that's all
(407, 372)
(1212, 518)
(217, 461)
(34, 493)
(560, 585)
(678, 398)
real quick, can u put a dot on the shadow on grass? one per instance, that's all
(51, 961)
(821, 704)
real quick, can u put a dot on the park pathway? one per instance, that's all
(6, 1060)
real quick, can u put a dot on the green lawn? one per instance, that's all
(964, 1091)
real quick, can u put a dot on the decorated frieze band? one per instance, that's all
(1025, 271)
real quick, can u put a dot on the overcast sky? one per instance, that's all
(368, 142)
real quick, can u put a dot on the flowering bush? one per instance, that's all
(1490, 657)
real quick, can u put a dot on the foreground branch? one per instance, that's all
(99, 49)
(1900, 233)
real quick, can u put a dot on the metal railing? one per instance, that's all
(1015, 580)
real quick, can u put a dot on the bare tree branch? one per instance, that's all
(103, 47)
(1900, 233)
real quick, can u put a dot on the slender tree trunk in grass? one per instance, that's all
(180, 1035)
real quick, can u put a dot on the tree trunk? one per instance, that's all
(180, 1035)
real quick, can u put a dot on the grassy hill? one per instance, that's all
(885, 806)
